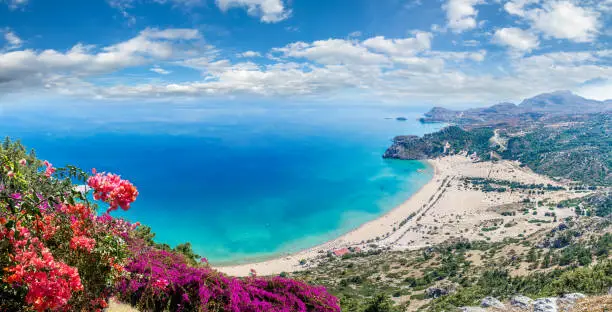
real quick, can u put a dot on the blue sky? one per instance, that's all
(400, 52)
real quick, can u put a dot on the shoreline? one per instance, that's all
(381, 227)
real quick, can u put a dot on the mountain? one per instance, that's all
(538, 108)
(562, 101)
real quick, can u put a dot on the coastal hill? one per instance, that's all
(539, 108)
(558, 134)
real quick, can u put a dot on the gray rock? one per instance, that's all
(545, 305)
(567, 301)
(573, 297)
(472, 309)
(491, 302)
(440, 290)
(522, 302)
(610, 291)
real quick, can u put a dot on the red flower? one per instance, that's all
(111, 189)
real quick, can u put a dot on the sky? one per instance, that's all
(395, 52)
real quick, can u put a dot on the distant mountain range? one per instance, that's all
(540, 107)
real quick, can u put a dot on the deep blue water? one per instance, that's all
(240, 186)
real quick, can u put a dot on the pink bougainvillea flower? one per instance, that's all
(50, 283)
(23, 162)
(10, 174)
(111, 189)
(83, 243)
(49, 171)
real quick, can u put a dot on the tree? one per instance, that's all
(380, 303)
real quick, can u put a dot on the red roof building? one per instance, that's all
(341, 252)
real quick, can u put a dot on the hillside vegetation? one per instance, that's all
(574, 257)
(580, 150)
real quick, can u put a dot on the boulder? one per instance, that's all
(439, 291)
(491, 302)
(545, 305)
(569, 300)
(472, 309)
(522, 302)
(573, 297)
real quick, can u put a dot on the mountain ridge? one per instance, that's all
(533, 109)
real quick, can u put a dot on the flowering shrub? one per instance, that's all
(55, 253)
(58, 254)
(160, 280)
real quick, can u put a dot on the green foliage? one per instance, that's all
(589, 280)
(582, 152)
(380, 303)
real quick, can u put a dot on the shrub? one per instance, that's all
(159, 280)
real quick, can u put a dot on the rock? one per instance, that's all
(439, 291)
(569, 300)
(545, 305)
(573, 297)
(491, 302)
(522, 302)
(610, 291)
(472, 309)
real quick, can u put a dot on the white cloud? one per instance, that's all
(378, 68)
(518, 7)
(461, 14)
(333, 52)
(560, 19)
(12, 40)
(35, 68)
(249, 54)
(599, 90)
(269, 11)
(420, 80)
(564, 20)
(516, 38)
(406, 46)
(159, 70)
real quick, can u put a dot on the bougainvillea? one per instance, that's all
(50, 283)
(111, 189)
(57, 253)
(161, 279)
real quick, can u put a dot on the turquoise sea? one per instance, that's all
(239, 184)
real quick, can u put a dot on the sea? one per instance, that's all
(240, 183)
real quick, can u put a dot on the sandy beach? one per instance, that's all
(442, 209)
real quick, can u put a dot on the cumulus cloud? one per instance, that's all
(565, 20)
(516, 38)
(248, 54)
(406, 46)
(269, 11)
(560, 19)
(159, 70)
(376, 68)
(12, 40)
(461, 14)
(39, 68)
(333, 52)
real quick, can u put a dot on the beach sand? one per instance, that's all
(442, 209)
